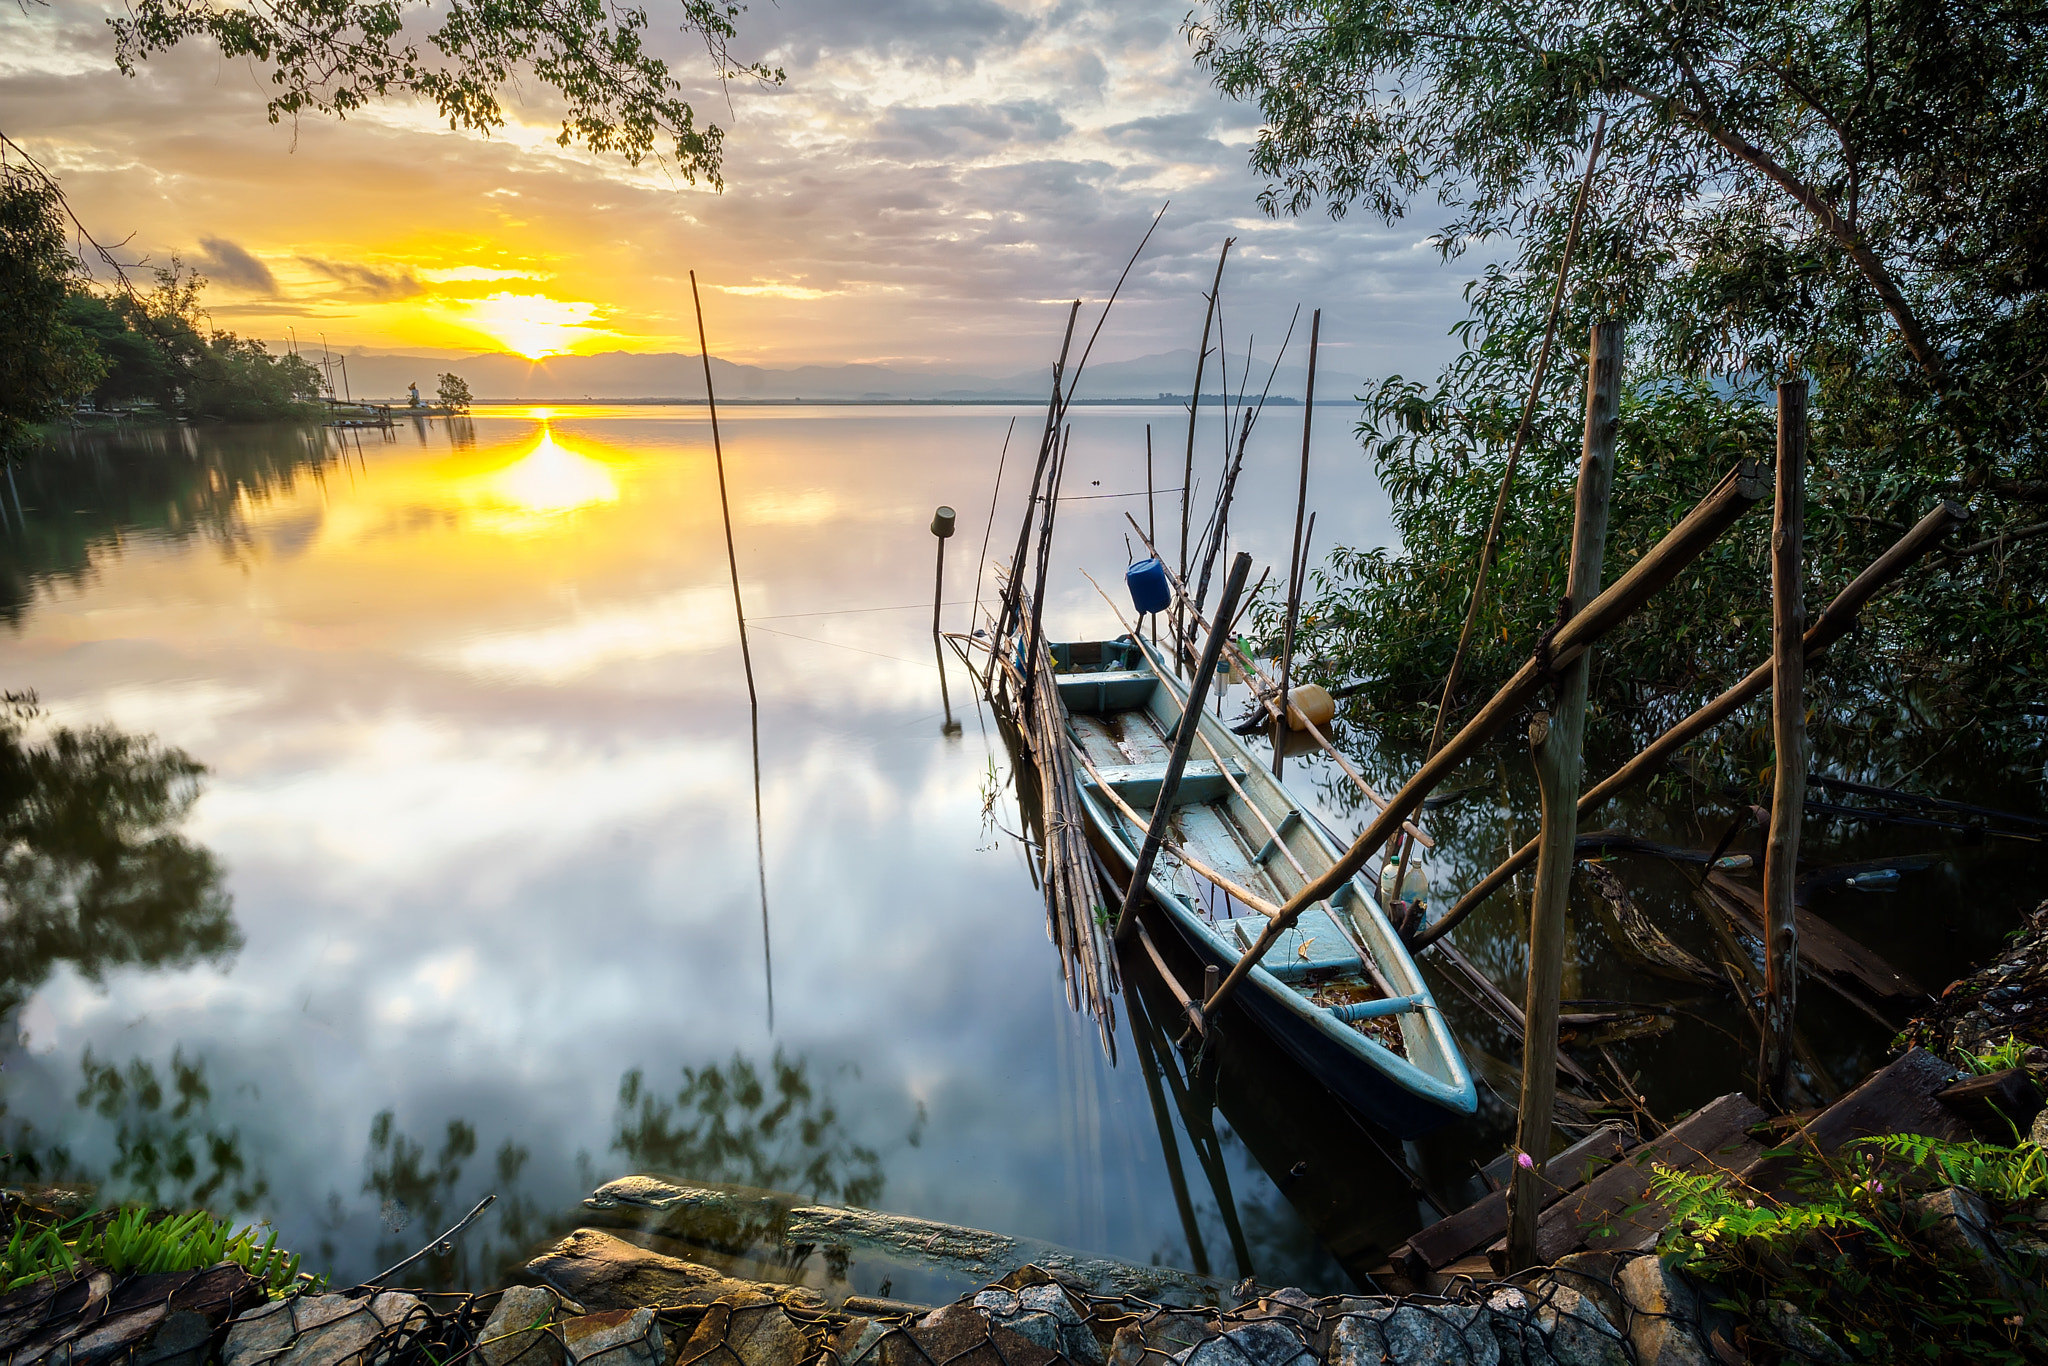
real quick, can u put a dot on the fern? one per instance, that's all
(2007, 1175)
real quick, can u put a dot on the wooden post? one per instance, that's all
(1834, 623)
(1788, 733)
(1183, 740)
(942, 528)
(1556, 740)
(1296, 564)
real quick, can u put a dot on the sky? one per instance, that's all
(929, 186)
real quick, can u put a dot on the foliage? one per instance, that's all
(1999, 1058)
(92, 869)
(138, 1241)
(1851, 193)
(453, 393)
(1841, 1246)
(162, 348)
(336, 56)
(46, 362)
(737, 1123)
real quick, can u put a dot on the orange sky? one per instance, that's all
(935, 178)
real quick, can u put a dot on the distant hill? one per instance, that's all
(613, 375)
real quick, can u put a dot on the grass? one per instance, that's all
(134, 1240)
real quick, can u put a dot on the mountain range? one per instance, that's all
(620, 375)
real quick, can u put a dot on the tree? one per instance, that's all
(1848, 191)
(336, 56)
(46, 363)
(453, 393)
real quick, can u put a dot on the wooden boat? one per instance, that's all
(1338, 990)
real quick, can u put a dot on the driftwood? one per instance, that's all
(1472, 1228)
(1832, 957)
(1639, 940)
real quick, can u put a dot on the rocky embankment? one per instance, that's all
(605, 1302)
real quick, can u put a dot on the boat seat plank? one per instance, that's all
(1110, 690)
(1313, 945)
(1200, 781)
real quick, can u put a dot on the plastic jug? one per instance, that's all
(1147, 581)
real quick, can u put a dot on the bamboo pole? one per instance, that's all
(1834, 623)
(1187, 476)
(1738, 490)
(1047, 442)
(1184, 740)
(746, 656)
(1788, 732)
(1557, 740)
(1308, 412)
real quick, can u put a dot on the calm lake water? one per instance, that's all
(467, 900)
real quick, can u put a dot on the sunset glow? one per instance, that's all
(531, 325)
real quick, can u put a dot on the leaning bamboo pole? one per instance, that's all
(1557, 739)
(1836, 622)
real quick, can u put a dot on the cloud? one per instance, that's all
(224, 263)
(367, 282)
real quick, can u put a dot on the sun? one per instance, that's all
(533, 325)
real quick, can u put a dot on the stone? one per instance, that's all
(601, 1272)
(853, 1342)
(616, 1337)
(1414, 1334)
(1594, 1275)
(182, 1340)
(759, 1334)
(2038, 1135)
(319, 1330)
(1558, 1324)
(959, 1335)
(1263, 1342)
(1663, 1314)
(1128, 1347)
(516, 1333)
(1957, 1224)
(1802, 1335)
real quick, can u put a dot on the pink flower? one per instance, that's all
(1877, 1188)
(1525, 1162)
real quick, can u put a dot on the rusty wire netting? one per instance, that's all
(1593, 1310)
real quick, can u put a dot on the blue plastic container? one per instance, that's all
(1147, 582)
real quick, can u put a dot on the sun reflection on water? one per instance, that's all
(552, 479)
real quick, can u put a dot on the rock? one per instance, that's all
(516, 1333)
(616, 1337)
(1802, 1335)
(1263, 1342)
(1128, 1348)
(858, 1338)
(182, 1340)
(1594, 1275)
(1956, 1223)
(320, 1330)
(959, 1335)
(1413, 1334)
(1555, 1323)
(1663, 1314)
(758, 1333)
(1173, 1333)
(2038, 1136)
(601, 1273)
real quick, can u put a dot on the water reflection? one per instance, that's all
(94, 872)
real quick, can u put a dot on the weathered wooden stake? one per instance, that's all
(1295, 564)
(1788, 733)
(1183, 740)
(1556, 740)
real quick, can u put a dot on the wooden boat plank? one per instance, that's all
(1211, 837)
